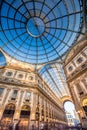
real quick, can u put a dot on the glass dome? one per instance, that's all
(39, 31)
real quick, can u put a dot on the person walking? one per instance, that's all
(17, 125)
(11, 126)
(42, 127)
(33, 128)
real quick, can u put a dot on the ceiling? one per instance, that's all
(41, 32)
(54, 76)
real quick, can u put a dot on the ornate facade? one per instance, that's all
(25, 96)
(76, 73)
(36, 74)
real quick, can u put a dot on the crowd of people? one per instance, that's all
(14, 127)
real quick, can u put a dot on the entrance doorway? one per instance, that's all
(71, 114)
(24, 117)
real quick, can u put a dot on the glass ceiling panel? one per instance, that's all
(39, 31)
(54, 75)
(2, 60)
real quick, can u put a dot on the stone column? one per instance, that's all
(48, 112)
(40, 108)
(33, 106)
(34, 103)
(76, 92)
(9, 95)
(3, 98)
(18, 98)
(23, 94)
(77, 103)
(18, 105)
(47, 118)
(45, 110)
(76, 98)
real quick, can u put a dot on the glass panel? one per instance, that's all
(30, 30)
(2, 60)
(1, 91)
(54, 76)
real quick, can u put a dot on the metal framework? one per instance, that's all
(39, 31)
(54, 75)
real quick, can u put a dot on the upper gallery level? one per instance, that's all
(18, 77)
(76, 60)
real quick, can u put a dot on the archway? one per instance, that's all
(24, 117)
(71, 114)
(7, 117)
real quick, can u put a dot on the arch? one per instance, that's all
(7, 116)
(10, 106)
(84, 102)
(26, 108)
(66, 98)
(2, 60)
(25, 111)
(9, 110)
(71, 113)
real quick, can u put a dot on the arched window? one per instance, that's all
(2, 60)
(25, 111)
(9, 110)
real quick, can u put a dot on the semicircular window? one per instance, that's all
(39, 31)
(2, 60)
